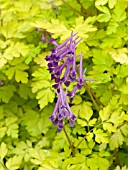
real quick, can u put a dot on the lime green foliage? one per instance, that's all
(28, 140)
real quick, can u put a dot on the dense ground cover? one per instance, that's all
(99, 138)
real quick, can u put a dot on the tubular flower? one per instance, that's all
(62, 111)
(62, 67)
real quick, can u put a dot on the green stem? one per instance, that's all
(116, 157)
(83, 10)
(98, 101)
(68, 5)
(91, 96)
(70, 143)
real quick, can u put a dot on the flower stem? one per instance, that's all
(75, 10)
(116, 157)
(98, 101)
(91, 96)
(70, 142)
(83, 10)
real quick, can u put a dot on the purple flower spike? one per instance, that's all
(62, 67)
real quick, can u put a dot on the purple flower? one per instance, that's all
(62, 111)
(72, 94)
(62, 67)
(81, 78)
(54, 42)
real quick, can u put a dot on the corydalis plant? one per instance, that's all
(62, 67)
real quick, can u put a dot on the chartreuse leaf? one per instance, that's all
(111, 120)
(15, 50)
(78, 130)
(85, 114)
(45, 96)
(44, 142)
(89, 136)
(17, 69)
(22, 148)
(119, 13)
(109, 127)
(3, 61)
(105, 113)
(44, 122)
(34, 51)
(41, 84)
(40, 59)
(37, 155)
(77, 100)
(98, 162)
(81, 122)
(7, 30)
(30, 120)
(2, 130)
(86, 111)
(55, 26)
(117, 118)
(123, 99)
(76, 109)
(41, 79)
(84, 48)
(112, 40)
(121, 70)
(25, 91)
(119, 55)
(12, 126)
(100, 136)
(102, 60)
(78, 162)
(112, 27)
(124, 129)
(111, 3)
(103, 9)
(84, 27)
(94, 37)
(3, 45)
(14, 162)
(105, 17)
(3, 150)
(6, 92)
(116, 140)
(36, 123)
(52, 161)
(102, 64)
(59, 141)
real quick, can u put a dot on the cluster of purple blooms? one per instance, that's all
(62, 67)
